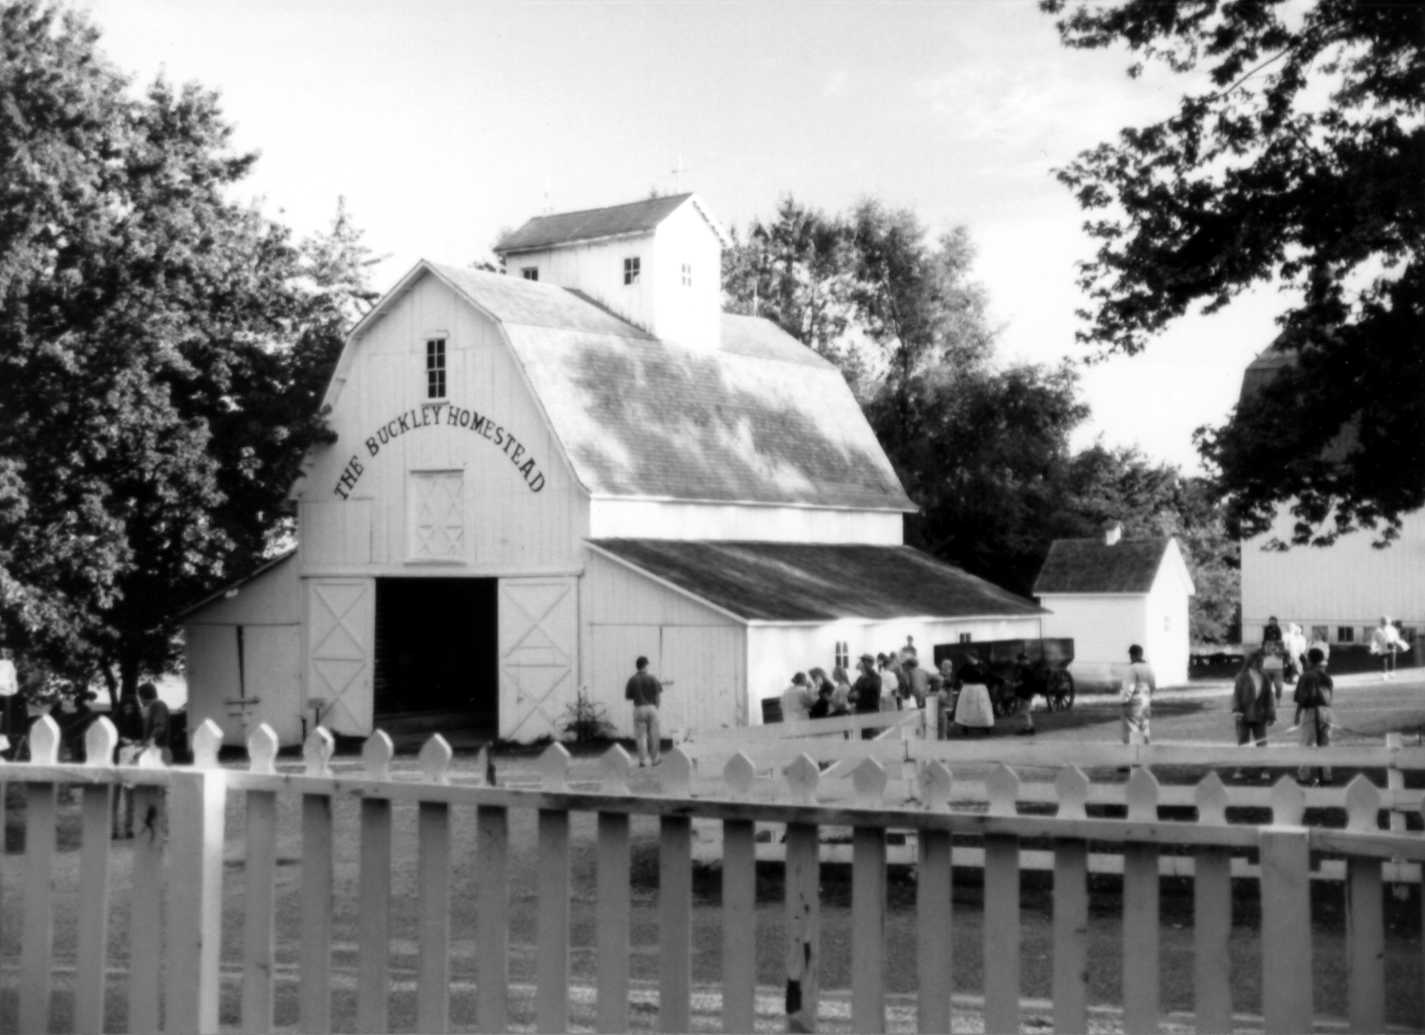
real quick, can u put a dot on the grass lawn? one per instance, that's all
(1200, 713)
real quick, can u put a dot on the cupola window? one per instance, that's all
(631, 270)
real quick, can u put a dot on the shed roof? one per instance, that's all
(590, 224)
(802, 582)
(761, 419)
(1092, 566)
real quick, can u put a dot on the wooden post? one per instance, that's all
(1071, 909)
(146, 932)
(373, 923)
(1140, 912)
(37, 891)
(868, 905)
(197, 799)
(1394, 778)
(1286, 930)
(675, 915)
(614, 898)
(739, 904)
(492, 907)
(1212, 915)
(260, 872)
(314, 994)
(552, 948)
(93, 916)
(1001, 959)
(1365, 921)
(433, 835)
(803, 901)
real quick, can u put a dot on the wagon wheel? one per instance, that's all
(1061, 696)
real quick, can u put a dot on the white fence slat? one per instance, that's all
(675, 914)
(373, 925)
(1287, 1004)
(93, 914)
(1071, 928)
(1395, 778)
(314, 993)
(196, 802)
(1212, 929)
(37, 894)
(1365, 935)
(803, 902)
(492, 935)
(1140, 938)
(145, 934)
(551, 1012)
(739, 925)
(934, 960)
(1001, 918)
(868, 924)
(260, 871)
(433, 835)
(613, 900)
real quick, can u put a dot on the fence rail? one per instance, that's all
(175, 975)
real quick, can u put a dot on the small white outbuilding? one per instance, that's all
(1110, 592)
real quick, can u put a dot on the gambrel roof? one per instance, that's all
(592, 224)
(1093, 566)
(817, 582)
(762, 419)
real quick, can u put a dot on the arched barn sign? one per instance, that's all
(539, 476)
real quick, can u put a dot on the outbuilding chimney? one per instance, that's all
(1112, 532)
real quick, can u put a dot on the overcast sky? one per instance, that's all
(443, 122)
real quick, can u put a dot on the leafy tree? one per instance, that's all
(1294, 159)
(156, 411)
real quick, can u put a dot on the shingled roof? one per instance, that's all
(762, 419)
(590, 224)
(1092, 566)
(810, 582)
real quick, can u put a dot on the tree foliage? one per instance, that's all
(982, 448)
(1294, 160)
(156, 410)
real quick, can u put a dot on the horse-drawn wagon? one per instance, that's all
(1019, 670)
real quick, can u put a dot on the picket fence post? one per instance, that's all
(614, 897)
(1287, 1003)
(552, 950)
(803, 902)
(93, 916)
(314, 995)
(433, 836)
(1001, 907)
(868, 904)
(373, 925)
(739, 902)
(1071, 908)
(1365, 922)
(933, 895)
(197, 800)
(1140, 910)
(37, 925)
(1212, 915)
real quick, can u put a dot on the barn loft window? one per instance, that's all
(843, 654)
(966, 638)
(529, 272)
(435, 368)
(631, 268)
(687, 274)
(1345, 634)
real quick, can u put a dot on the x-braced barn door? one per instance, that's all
(538, 632)
(341, 620)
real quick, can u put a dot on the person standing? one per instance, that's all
(1295, 642)
(1274, 665)
(841, 691)
(157, 722)
(890, 683)
(128, 721)
(917, 681)
(797, 699)
(866, 692)
(1386, 644)
(1314, 691)
(1253, 706)
(1136, 698)
(644, 690)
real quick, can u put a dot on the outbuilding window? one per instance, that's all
(529, 272)
(1345, 634)
(631, 269)
(435, 368)
(687, 274)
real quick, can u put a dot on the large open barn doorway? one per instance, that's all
(437, 655)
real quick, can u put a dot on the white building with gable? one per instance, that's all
(541, 475)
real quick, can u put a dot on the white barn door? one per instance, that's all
(341, 625)
(539, 630)
(701, 668)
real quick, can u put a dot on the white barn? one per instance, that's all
(1338, 592)
(539, 476)
(1110, 592)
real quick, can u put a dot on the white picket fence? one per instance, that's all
(176, 974)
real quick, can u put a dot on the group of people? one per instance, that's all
(897, 680)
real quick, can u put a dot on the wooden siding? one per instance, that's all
(596, 269)
(649, 519)
(518, 517)
(1102, 627)
(687, 315)
(697, 650)
(1349, 583)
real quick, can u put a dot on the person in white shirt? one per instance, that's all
(1136, 697)
(1387, 643)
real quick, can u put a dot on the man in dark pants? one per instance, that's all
(157, 722)
(866, 691)
(644, 690)
(1313, 711)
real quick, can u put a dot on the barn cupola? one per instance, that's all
(656, 263)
